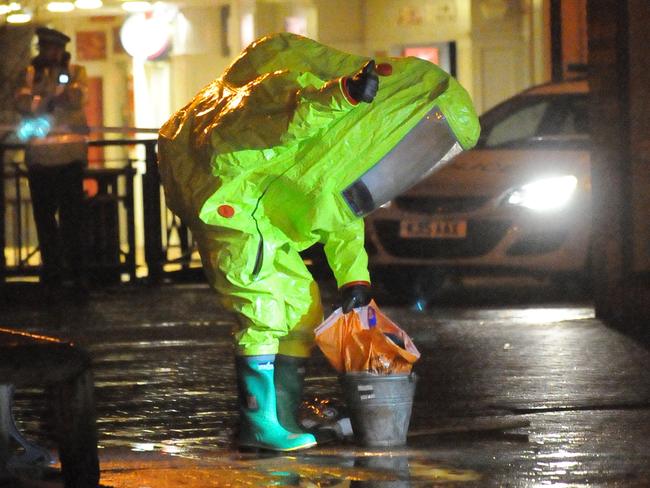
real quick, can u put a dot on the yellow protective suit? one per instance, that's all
(256, 164)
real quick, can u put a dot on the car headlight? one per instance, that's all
(545, 194)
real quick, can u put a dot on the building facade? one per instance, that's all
(494, 47)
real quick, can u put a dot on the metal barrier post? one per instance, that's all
(129, 203)
(153, 245)
(19, 214)
(3, 242)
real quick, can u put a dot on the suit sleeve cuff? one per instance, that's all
(345, 92)
(353, 283)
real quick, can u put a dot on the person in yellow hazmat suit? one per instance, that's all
(291, 146)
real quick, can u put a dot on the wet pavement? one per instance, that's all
(574, 394)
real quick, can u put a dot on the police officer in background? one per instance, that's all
(52, 91)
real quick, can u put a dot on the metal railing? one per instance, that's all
(129, 233)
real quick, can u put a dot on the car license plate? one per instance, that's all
(433, 229)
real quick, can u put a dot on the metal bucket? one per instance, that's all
(380, 407)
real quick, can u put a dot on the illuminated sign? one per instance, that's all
(147, 35)
(428, 53)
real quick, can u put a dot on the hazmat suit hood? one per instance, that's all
(276, 132)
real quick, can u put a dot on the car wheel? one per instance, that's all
(76, 431)
(578, 285)
(585, 279)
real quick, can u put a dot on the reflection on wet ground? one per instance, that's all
(319, 468)
(167, 406)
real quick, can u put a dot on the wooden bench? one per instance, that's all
(63, 370)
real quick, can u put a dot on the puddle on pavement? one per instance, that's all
(180, 435)
(166, 402)
(318, 468)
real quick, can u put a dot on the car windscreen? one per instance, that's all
(525, 120)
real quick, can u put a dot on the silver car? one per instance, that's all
(517, 204)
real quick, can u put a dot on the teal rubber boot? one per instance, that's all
(259, 425)
(289, 382)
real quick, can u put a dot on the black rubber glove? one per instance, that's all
(363, 86)
(355, 295)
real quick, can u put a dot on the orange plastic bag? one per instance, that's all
(366, 340)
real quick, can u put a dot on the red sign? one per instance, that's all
(428, 53)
